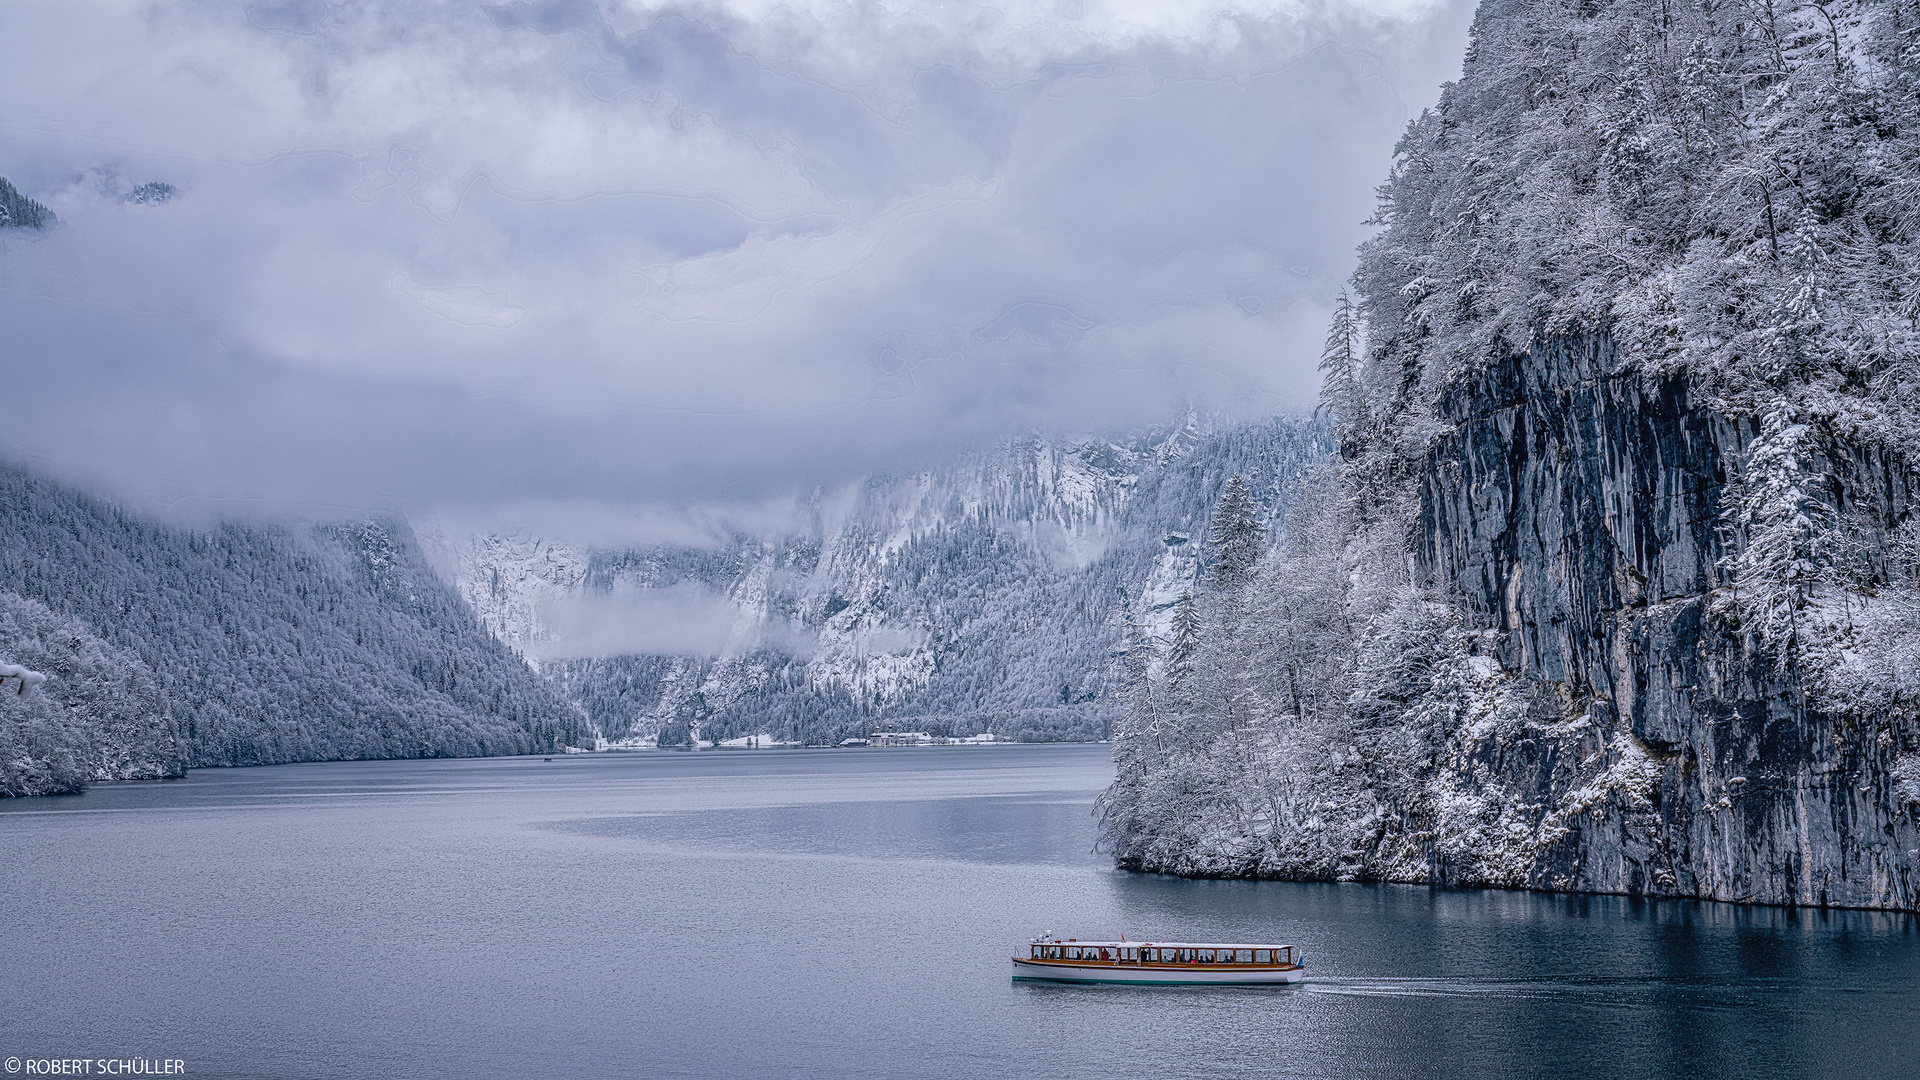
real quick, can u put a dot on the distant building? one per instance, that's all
(899, 738)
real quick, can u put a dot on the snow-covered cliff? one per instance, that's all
(1615, 586)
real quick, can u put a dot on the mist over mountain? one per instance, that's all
(273, 643)
(990, 594)
(19, 212)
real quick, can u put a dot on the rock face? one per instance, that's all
(1574, 509)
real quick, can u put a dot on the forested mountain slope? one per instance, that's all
(271, 645)
(74, 709)
(992, 594)
(1616, 585)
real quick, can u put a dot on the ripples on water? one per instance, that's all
(840, 913)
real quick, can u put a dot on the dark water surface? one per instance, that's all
(839, 913)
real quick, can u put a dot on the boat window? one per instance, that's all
(1129, 954)
(1206, 956)
(1053, 952)
(1039, 951)
(1073, 953)
(1186, 955)
(1263, 956)
(1245, 956)
(1109, 954)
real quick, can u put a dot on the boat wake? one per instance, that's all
(1416, 987)
(1589, 991)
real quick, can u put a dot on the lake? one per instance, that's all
(839, 913)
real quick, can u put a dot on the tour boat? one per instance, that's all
(1161, 963)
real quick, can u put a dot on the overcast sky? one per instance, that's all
(448, 256)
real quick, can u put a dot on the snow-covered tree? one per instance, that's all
(1717, 202)
(1237, 536)
(1343, 388)
(19, 212)
(74, 709)
(1184, 642)
(1789, 528)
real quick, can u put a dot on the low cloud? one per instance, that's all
(651, 258)
(681, 620)
(675, 620)
(611, 524)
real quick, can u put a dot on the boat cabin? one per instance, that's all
(1151, 954)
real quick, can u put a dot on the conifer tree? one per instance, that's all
(1341, 391)
(1186, 640)
(19, 212)
(1789, 550)
(1239, 540)
(1139, 724)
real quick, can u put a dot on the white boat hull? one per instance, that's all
(1148, 975)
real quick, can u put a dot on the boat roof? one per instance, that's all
(1130, 944)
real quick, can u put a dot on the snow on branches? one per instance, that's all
(25, 678)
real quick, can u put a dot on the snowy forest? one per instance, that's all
(95, 713)
(243, 645)
(926, 605)
(1613, 584)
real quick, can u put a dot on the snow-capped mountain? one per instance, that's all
(507, 578)
(987, 594)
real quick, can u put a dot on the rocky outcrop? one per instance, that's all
(1572, 509)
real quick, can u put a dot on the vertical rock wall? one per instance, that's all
(1574, 508)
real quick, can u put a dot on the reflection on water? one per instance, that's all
(840, 913)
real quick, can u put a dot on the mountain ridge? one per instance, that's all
(273, 644)
(915, 600)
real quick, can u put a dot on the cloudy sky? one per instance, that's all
(633, 256)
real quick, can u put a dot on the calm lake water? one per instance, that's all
(839, 914)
